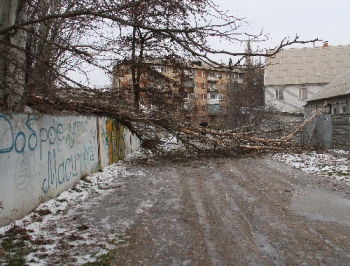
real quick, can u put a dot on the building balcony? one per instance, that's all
(213, 101)
(189, 84)
(212, 89)
(189, 73)
(215, 109)
(238, 80)
(212, 79)
(188, 106)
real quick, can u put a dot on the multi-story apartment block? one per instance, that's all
(204, 89)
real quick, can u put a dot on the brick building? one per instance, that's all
(203, 89)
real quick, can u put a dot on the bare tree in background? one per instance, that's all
(246, 105)
(42, 42)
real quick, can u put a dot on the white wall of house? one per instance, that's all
(294, 96)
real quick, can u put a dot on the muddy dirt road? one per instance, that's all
(233, 212)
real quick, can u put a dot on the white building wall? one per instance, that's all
(291, 101)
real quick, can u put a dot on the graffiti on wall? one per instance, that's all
(115, 140)
(49, 143)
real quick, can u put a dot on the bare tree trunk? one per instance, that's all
(12, 59)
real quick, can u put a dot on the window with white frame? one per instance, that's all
(203, 85)
(302, 93)
(204, 97)
(203, 74)
(279, 95)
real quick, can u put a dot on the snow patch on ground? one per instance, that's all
(334, 163)
(83, 242)
(70, 236)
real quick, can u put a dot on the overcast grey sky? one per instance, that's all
(310, 19)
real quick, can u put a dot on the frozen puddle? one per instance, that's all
(322, 205)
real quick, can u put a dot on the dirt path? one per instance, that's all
(234, 212)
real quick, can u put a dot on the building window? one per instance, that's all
(204, 97)
(302, 94)
(334, 110)
(204, 107)
(212, 95)
(203, 85)
(343, 109)
(279, 95)
(227, 75)
(211, 86)
(157, 68)
(203, 74)
(195, 84)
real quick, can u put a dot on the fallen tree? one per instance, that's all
(162, 133)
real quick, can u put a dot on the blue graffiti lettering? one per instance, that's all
(23, 142)
(57, 174)
(3, 133)
(42, 139)
(10, 140)
(59, 132)
(33, 135)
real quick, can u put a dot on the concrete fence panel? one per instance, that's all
(42, 155)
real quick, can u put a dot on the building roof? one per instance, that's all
(317, 65)
(340, 86)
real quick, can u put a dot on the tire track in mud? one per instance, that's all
(232, 212)
(236, 242)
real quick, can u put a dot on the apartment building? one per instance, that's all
(210, 92)
(203, 88)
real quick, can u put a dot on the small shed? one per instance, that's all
(336, 94)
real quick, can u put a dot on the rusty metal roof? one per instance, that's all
(307, 65)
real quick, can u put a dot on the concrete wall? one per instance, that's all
(42, 155)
